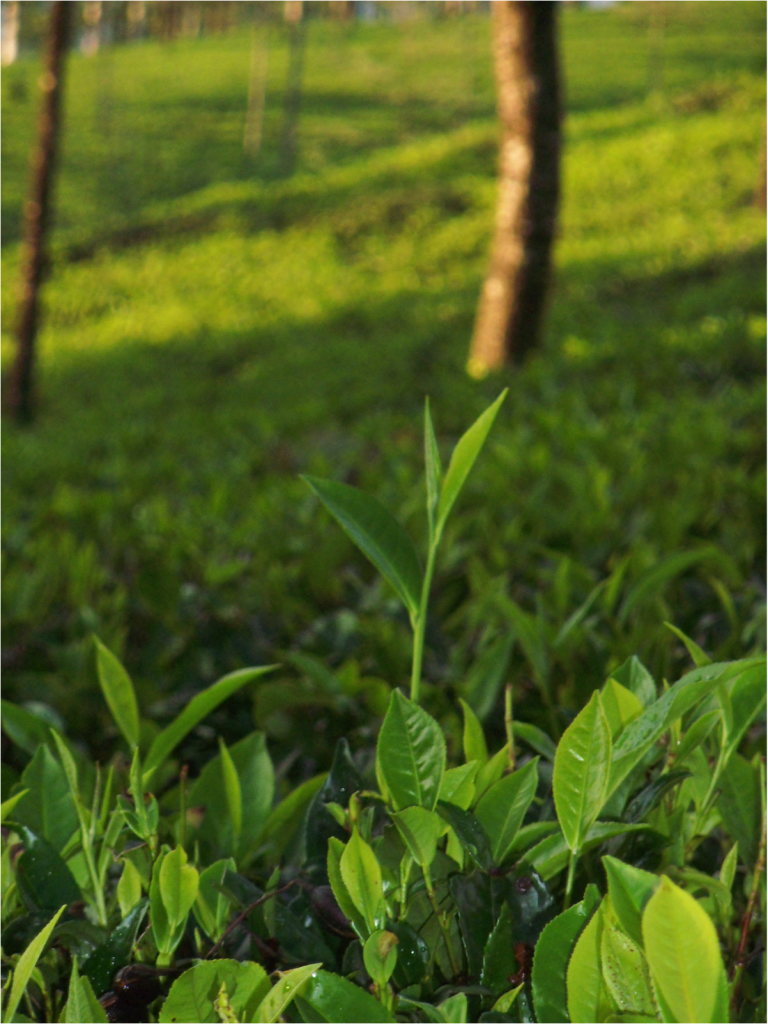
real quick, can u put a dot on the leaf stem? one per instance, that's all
(420, 624)
(508, 726)
(569, 879)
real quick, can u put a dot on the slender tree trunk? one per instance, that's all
(37, 210)
(10, 33)
(292, 103)
(257, 89)
(761, 195)
(512, 303)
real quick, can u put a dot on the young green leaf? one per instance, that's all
(550, 962)
(26, 965)
(410, 755)
(620, 705)
(625, 972)
(588, 997)
(82, 1006)
(346, 905)
(474, 738)
(580, 777)
(193, 994)
(421, 830)
(433, 464)
(502, 809)
(696, 733)
(491, 772)
(274, 1003)
(361, 875)
(635, 677)
(458, 785)
(698, 657)
(118, 692)
(683, 952)
(232, 790)
(201, 705)
(378, 535)
(535, 738)
(380, 955)
(454, 1009)
(463, 458)
(178, 886)
(46, 807)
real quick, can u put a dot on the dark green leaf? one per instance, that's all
(378, 535)
(26, 730)
(654, 581)
(470, 833)
(285, 818)
(47, 808)
(335, 998)
(502, 809)
(698, 657)
(487, 676)
(535, 738)
(739, 805)
(44, 880)
(551, 855)
(412, 955)
(550, 962)
(697, 732)
(472, 894)
(498, 958)
(748, 696)
(343, 781)
(650, 795)
(410, 755)
(102, 965)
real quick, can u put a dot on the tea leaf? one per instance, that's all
(378, 535)
(474, 738)
(410, 754)
(118, 692)
(550, 962)
(331, 997)
(581, 772)
(193, 994)
(82, 1006)
(22, 972)
(361, 875)
(275, 1002)
(683, 952)
(588, 998)
(630, 888)
(178, 886)
(421, 830)
(433, 464)
(502, 809)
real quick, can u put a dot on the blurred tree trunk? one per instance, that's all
(257, 88)
(528, 97)
(136, 17)
(294, 17)
(761, 196)
(91, 41)
(37, 209)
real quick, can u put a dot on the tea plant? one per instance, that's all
(615, 873)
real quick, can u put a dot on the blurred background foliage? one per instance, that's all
(214, 326)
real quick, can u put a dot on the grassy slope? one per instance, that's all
(247, 328)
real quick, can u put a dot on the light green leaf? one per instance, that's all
(201, 705)
(421, 830)
(641, 734)
(474, 738)
(580, 777)
(128, 888)
(178, 886)
(464, 455)
(504, 1003)
(26, 730)
(454, 1009)
(211, 905)
(380, 955)
(635, 677)
(588, 998)
(8, 805)
(232, 791)
(82, 1006)
(728, 870)
(433, 464)
(361, 875)
(747, 699)
(620, 705)
(550, 961)
(275, 1002)
(118, 692)
(349, 910)
(47, 808)
(630, 888)
(410, 755)
(458, 785)
(625, 972)
(27, 963)
(697, 733)
(378, 535)
(502, 809)
(491, 772)
(683, 952)
(193, 995)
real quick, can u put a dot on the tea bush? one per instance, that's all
(611, 873)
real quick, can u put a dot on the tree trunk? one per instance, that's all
(10, 33)
(512, 303)
(761, 196)
(257, 89)
(37, 209)
(292, 101)
(91, 40)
